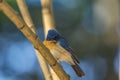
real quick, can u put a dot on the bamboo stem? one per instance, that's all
(27, 18)
(49, 23)
(33, 38)
(47, 15)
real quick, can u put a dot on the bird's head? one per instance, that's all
(52, 35)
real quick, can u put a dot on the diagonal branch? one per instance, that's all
(33, 38)
(27, 18)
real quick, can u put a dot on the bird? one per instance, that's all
(61, 50)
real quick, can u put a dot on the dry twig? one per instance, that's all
(33, 38)
(49, 23)
(27, 18)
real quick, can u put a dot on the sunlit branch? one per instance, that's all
(27, 18)
(33, 38)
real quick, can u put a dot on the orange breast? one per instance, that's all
(49, 44)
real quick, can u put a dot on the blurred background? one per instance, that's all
(92, 28)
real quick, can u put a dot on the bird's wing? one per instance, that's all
(63, 54)
(65, 45)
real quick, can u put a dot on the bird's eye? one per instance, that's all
(55, 37)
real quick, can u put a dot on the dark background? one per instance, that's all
(92, 28)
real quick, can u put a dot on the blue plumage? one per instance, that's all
(53, 35)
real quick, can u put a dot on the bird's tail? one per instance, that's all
(78, 70)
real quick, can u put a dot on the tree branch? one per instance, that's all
(49, 23)
(27, 18)
(47, 15)
(33, 38)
